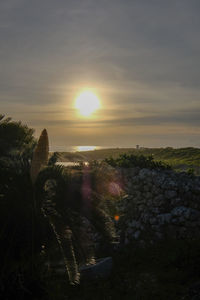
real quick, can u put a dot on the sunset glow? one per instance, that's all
(87, 103)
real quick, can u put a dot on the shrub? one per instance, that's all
(130, 161)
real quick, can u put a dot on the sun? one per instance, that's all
(87, 103)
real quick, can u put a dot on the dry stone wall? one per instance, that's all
(159, 204)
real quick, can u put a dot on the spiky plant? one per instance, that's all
(66, 207)
(63, 236)
(53, 159)
(58, 216)
(40, 155)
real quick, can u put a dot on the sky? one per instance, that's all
(140, 57)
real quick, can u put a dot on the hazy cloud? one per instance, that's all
(143, 56)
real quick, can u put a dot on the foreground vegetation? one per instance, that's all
(179, 159)
(170, 270)
(43, 209)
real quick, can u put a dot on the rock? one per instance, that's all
(137, 234)
(148, 195)
(134, 171)
(135, 224)
(146, 188)
(159, 199)
(175, 201)
(179, 211)
(144, 173)
(101, 269)
(161, 203)
(164, 218)
(155, 210)
(170, 194)
(186, 212)
(152, 221)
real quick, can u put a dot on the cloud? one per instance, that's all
(144, 56)
(184, 118)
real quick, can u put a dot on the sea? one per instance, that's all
(77, 148)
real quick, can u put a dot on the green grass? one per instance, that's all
(180, 158)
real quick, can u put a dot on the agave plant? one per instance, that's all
(42, 205)
(72, 217)
(73, 210)
(44, 196)
(40, 155)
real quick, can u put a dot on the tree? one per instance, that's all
(15, 137)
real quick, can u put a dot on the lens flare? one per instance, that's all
(116, 217)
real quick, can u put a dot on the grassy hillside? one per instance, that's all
(181, 158)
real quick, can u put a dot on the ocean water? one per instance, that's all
(77, 148)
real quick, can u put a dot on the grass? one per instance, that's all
(179, 159)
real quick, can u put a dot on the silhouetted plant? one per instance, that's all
(15, 137)
(141, 161)
(40, 155)
(53, 159)
(71, 205)
(34, 217)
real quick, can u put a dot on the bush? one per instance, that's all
(130, 161)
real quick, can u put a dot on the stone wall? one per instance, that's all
(159, 204)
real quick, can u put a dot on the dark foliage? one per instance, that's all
(168, 270)
(15, 137)
(131, 160)
(41, 222)
(53, 159)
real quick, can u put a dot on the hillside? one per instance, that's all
(180, 158)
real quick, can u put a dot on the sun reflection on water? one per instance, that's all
(86, 148)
